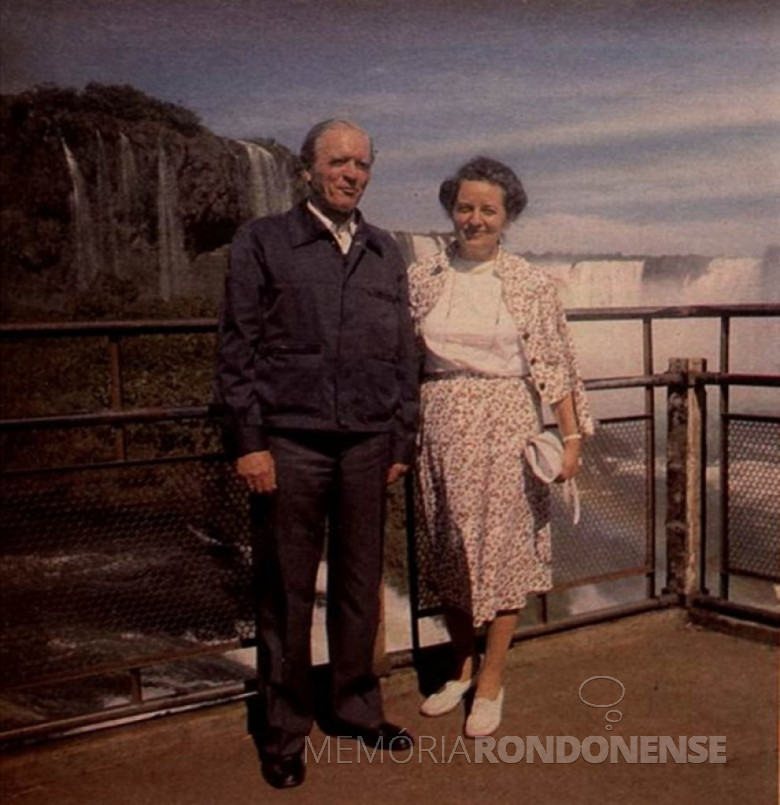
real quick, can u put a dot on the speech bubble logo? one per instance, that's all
(610, 712)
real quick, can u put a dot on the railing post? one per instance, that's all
(684, 473)
(648, 368)
(116, 392)
(725, 464)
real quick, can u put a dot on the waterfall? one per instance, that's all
(127, 174)
(172, 259)
(415, 246)
(87, 266)
(269, 188)
(725, 277)
(128, 182)
(106, 219)
(593, 283)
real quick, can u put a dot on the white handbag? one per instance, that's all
(544, 454)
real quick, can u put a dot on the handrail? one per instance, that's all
(107, 417)
(138, 415)
(736, 379)
(160, 326)
(673, 312)
(73, 329)
(118, 416)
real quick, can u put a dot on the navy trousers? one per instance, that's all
(339, 479)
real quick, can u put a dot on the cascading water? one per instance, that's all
(128, 177)
(105, 213)
(172, 259)
(269, 190)
(593, 283)
(86, 260)
(425, 245)
(128, 215)
(129, 209)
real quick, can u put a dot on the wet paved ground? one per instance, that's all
(679, 680)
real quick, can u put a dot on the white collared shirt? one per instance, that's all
(344, 233)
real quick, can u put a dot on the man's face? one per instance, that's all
(341, 170)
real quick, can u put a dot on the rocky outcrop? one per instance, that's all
(115, 204)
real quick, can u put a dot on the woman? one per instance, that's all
(496, 347)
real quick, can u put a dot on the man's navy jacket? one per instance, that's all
(314, 340)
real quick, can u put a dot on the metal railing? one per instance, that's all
(696, 376)
(571, 572)
(129, 503)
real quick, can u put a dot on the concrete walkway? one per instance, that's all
(679, 680)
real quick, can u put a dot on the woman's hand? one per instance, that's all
(568, 427)
(571, 460)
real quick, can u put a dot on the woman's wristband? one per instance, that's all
(572, 437)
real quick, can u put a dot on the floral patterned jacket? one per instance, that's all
(533, 302)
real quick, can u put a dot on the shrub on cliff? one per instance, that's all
(50, 104)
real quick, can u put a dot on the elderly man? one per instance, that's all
(318, 379)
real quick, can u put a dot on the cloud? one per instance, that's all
(740, 174)
(659, 118)
(595, 234)
(664, 118)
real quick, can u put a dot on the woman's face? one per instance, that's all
(480, 217)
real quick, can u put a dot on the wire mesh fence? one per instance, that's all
(611, 536)
(753, 546)
(121, 566)
(104, 570)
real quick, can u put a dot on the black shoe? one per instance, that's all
(386, 736)
(284, 771)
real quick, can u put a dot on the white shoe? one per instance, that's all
(447, 698)
(485, 716)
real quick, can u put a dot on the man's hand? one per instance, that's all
(258, 470)
(396, 471)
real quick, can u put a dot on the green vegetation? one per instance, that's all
(118, 102)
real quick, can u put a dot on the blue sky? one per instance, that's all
(641, 127)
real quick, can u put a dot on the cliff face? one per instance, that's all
(116, 204)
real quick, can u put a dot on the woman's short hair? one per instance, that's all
(309, 147)
(485, 169)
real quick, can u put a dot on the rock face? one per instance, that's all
(115, 204)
